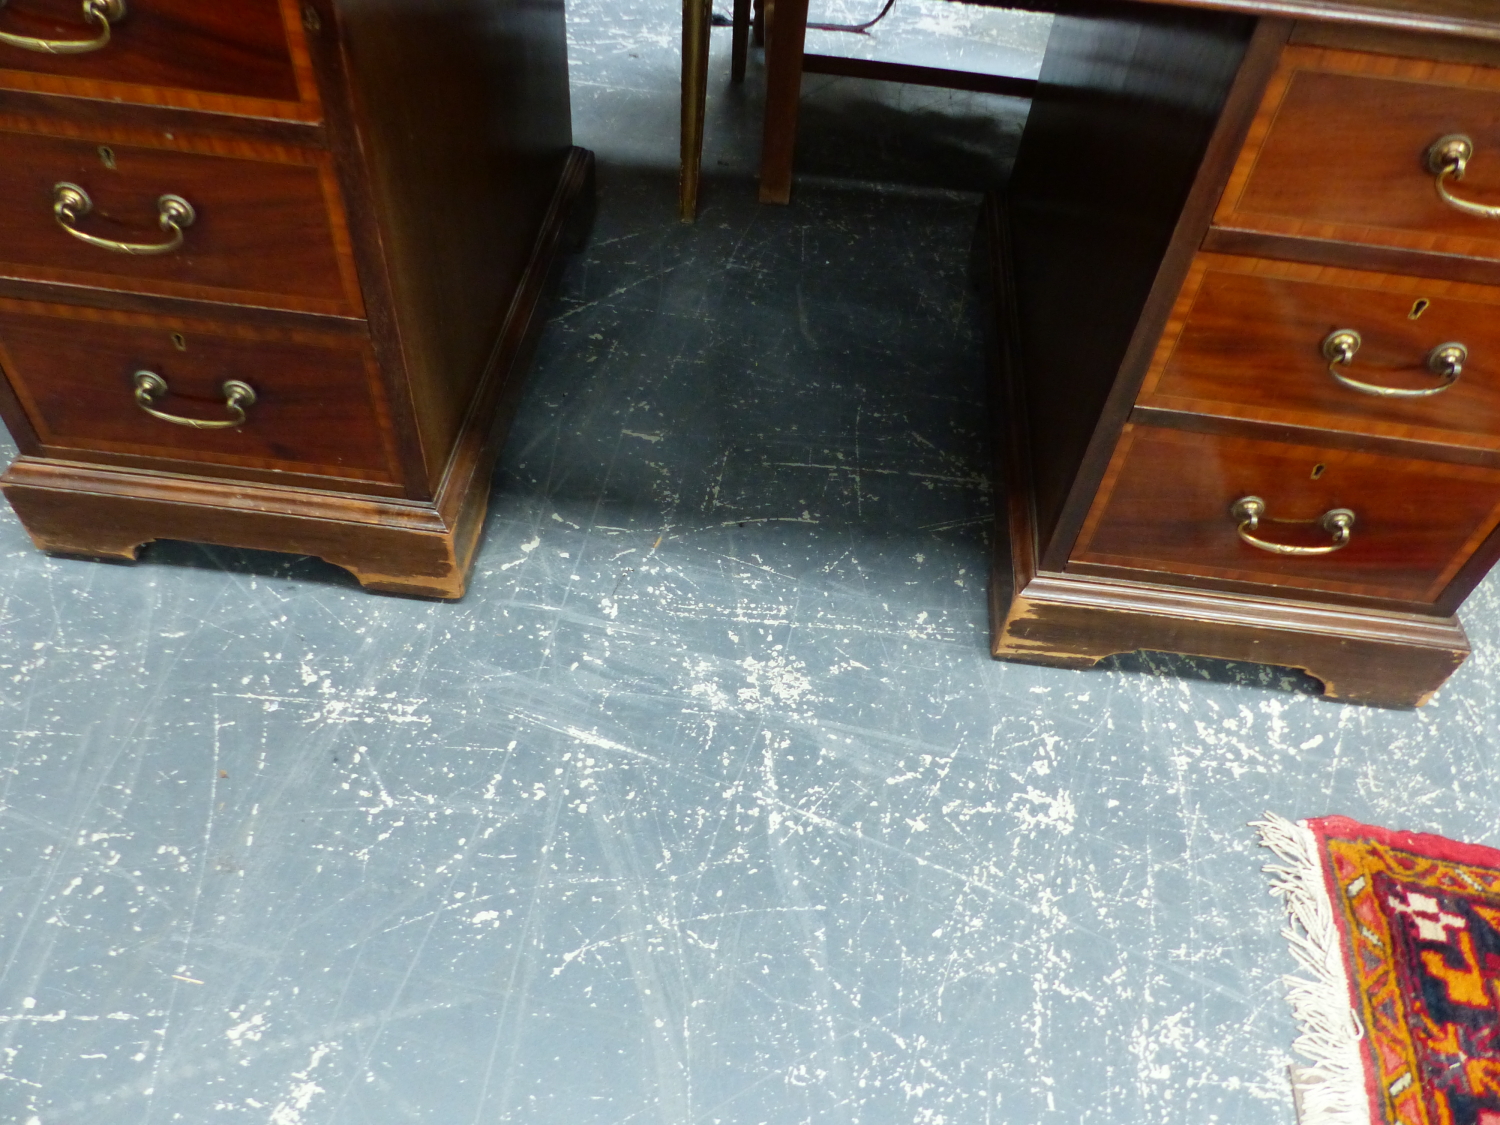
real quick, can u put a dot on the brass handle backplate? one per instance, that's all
(1446, 361)
(149, 386)
(99, 12)
(173, 214)
(1248, 511)
(1448, 159)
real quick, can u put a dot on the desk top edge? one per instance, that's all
(1450, 17)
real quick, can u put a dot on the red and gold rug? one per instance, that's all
(1399, 936)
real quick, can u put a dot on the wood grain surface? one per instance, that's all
(373, 272)
(1476, 19)
(1073, 620)
(1245, 341)
(269, 229)
(1359, 656)
(465, 135)
(1337, 153)
(1165, 507)
(393, 546)
(786, 35)
(1138, 116)
(319, 409)
(245, 57)
(1382, 39)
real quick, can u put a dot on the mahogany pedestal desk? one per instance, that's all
(269, 269)
(1247, 293)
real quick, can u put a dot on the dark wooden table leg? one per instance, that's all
(788, 31)
(740, 44)
(696, 19)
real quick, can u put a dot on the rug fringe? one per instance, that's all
(1332, 1090)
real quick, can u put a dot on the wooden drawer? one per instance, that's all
(318, 406)
(1245, 340)
(1337, 151)
(1165, 504)
(244, 57)
(269, 229)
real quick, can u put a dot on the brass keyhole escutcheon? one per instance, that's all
(1418, 307)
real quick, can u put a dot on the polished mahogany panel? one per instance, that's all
(468, 128)
(269, 229)
(238, 50)
(1245, 340)
(1123, 139)
(318, 407)
(381, 188)
(1165, 507)
(1337, 152)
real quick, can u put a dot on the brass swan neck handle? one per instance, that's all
(1446, 361)
(173, 214)
(100, 13)
(1248, 511)
(149, 386)
(1448, 159)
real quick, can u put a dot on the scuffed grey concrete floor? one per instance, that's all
(706, 804)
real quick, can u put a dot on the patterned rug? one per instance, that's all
(1399, 937)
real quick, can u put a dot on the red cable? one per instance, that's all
(856, 28)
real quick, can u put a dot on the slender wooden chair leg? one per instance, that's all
(783, 91)
(740, 44)
(696, 19)
(758, 28)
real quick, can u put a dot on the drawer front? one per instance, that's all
(268, 228)
(1338, 151)
(1165, 506)
(318, 408)
(245, 56)
(1246, 340)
